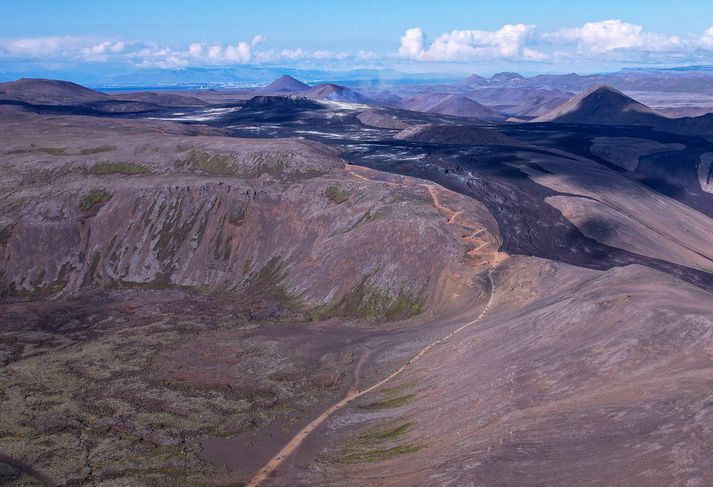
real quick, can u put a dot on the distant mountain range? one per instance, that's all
(692, 79)
(226, 77)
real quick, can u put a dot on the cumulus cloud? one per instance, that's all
(602, 36)
(607, 36)
(412, 43)
(509, 42)
(605, 40)
(217, 54)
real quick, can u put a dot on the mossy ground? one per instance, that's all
(127, 168)
(389, 403)
(93, 199)
(370, 303)
(336, 195)
(377, 444)
(379, 454)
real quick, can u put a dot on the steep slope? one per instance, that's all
(183, 212)
(449, 104)
(286, 84)
(603, 105)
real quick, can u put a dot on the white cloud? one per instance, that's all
(611, 40)
(508, 42)
(293, 54)
(102, 50)
(217, 54)
(412, 43)
(82, 48)
(706, 40)
(42, 46)
(600, 38)
(327, 55)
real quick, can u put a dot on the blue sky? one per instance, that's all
(417, 36)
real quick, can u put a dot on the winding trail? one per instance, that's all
(354, 393)
(452, 214)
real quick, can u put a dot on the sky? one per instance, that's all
(530, 36)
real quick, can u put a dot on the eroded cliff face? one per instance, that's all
(214, 214)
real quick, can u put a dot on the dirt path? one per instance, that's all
(452, 215)
(295, 442)
(367, 174)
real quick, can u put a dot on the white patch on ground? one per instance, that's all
(342, 105)
(199, 116)
(328, 135)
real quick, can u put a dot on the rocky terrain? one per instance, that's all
(288, 287)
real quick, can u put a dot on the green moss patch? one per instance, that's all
(93, 199)
(251, 166)
(391, 433)
(96, 150)
(268, 282)
(390, 403)
(212, 164)
(371, 303)
(54, 151)
(128, 168)
(336, 195)
(379, 454)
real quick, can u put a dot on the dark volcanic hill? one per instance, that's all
(332, 92)
(286, 84)
(448, 104)
(262, 103)
(48, 95)
(36, 91)
(603, 105)
(454, 134)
